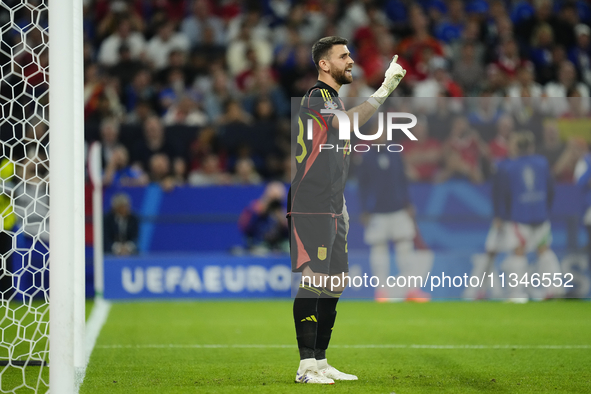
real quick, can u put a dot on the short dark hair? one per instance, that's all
(322, 47)
(525, 141)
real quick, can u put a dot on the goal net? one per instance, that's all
(24, 196)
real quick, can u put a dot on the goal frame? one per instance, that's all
(66, 133)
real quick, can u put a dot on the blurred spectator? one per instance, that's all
(177, 62)
(204, 145)
(524, 84)
(577, 107)
(423, 157)
(162, 174)
(244, 79)
(265, 128)
(564, 168)
(442, 116)
(439, 81)
(109, 14)
(165, 41)
(185, 112)
(509, 60)
(467, 70)
(142, 111)
(375, 49)
(541, 46)
(234, 113)
(286, 39)
(580, 55)
(253, 20)
(570, 14)
(210, 173)
(552, 146)
(413, 47)
(356, 16)
(155, 142)
(297, 75)
(567, 80)
(528, 114)
(109, 138)
(463, 152)
(451, 27)
(543, 14)
(121, 227)
(208, 49)
(471, 37)
(245, 173)
(173, 90)
(549, 71)
(486, 113)
(141, 89)
(235, 128)
(118, 173)
(496, 81)
(561, 157)
(499, 30)
(101, 96)
(499, 146)
(221, 91)
(238, 49)
(126, 68)
(263, 221)
(109, 51)
(194, 26)
(261, 85)
(299, 27)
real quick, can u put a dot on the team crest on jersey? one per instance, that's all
(330, 104)
(321, 253)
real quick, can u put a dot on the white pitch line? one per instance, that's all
(385, 346)
(96, 321)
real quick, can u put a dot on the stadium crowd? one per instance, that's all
(198, 92)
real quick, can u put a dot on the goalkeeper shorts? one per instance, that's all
(320, 241)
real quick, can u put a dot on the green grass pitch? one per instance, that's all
(439, 347)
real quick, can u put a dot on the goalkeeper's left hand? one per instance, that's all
(394, 75)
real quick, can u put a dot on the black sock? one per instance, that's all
(305, 317)
(327, 313)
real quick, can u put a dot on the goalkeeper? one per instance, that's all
(316, 208)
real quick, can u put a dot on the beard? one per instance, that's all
(340, 77)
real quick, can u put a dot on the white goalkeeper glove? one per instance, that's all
(394, 75)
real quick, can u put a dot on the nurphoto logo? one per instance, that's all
(345, 130)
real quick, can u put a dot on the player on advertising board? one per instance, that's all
(484, 264)
(389, 217)
(524, 194)
(316, 207)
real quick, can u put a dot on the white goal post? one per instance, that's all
(42, 215)
(67, 277)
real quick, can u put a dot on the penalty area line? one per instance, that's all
(384, 346)
(96, 321)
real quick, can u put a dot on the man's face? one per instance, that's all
(340, 64)
(122, 209)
